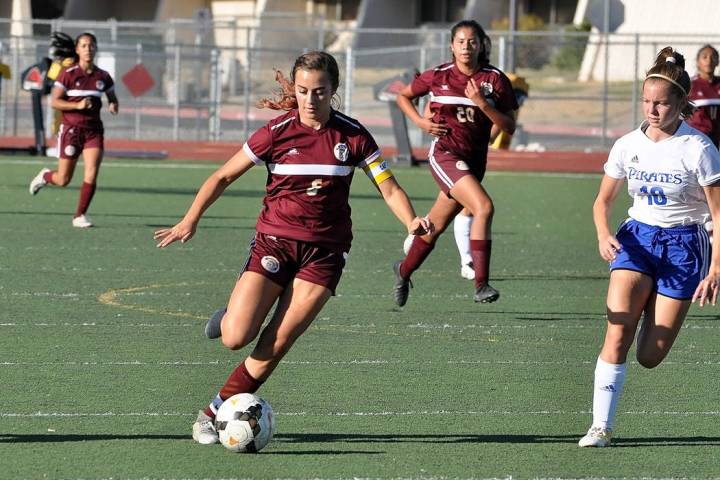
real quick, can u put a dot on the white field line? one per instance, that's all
(214, 165)
(301, 363)
(387, 413)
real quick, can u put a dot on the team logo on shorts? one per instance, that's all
(341, 152)
(69, 150)
(270, 264)
(99, 84)
(460, 165)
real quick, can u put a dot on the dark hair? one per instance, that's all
(479, 33)
(62, 46)
(92, 38)
(317, 61)
(707, 46)
(670, 66)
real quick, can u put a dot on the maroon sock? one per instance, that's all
(239, 381)
(87, 190)
(419, 250)
(48, 177)
(480, 252)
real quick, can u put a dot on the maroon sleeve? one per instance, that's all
(258, 147)
(506, 100)
(421, 83)
(109, 83)
(63, 79)
(365, 148)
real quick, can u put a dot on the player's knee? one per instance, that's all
(649, 361)
(236, 340)
(61, 180)
(483, 209)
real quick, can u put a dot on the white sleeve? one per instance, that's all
(615, 165)
(708, 167)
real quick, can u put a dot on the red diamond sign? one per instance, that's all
(138, 80)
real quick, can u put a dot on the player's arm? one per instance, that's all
(707, 290)
(608, 245)
(399, 203)
(404, 100)
(210, 191)
(113, 105)
(58, 100)
(504, 121)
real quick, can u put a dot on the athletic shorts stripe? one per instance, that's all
(437, 169)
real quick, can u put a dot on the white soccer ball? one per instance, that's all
(709, 228)
(245, 423)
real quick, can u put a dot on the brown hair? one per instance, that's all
(485, 42)
(670, 66)
(284, 99)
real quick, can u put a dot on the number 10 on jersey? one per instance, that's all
(655, 195)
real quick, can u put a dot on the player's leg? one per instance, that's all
(441, 214)
(461, 228)
(470, 193)
(68, 153)
(250, 302)
(628, 295)
(664, 317)
(92, 158)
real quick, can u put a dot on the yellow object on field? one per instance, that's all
(521, 89)
(5, 71)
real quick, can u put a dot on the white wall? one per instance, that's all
(684, 25)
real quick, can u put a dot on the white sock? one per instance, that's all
(609, 380)
(461, 227)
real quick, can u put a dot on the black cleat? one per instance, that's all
(486, 294)
(401, 290)
(212, 327)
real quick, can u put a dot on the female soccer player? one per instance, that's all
(78, 94)
(467, 96)
(705, 94)
(303, 233)
(660, 257)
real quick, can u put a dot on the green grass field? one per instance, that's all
(103, 364)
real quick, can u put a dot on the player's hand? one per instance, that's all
(84, 104)
(707, 290)
(434, 129)
(474, 93)
(113, 108)
(421, 226)
(609, 246)
(183, 232)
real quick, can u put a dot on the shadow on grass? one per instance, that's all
(431, 438)
(59, 438)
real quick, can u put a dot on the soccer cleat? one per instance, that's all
(38, 182)
(401, 290)
(83, 221)
(467, 271)
(212, 327)
(597, 437)
(204, 431)
(486, 294)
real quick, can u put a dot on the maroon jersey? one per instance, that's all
(706, 97)
(77, 84)
(469, 128)
(309, 176)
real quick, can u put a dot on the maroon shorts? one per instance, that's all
(73, 140)
(447, 168)
(282, 259)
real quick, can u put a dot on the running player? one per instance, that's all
(303, 233)
(78, 94)
(660, 258)
(467, 96)
(705, 94)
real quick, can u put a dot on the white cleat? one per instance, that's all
(597, 437)
(408, 243)
(467, 271)
(83, 221)
(204, 431)
(38, 182)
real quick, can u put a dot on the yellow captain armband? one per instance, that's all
(377, 170)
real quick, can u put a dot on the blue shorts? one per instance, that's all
(677, 258)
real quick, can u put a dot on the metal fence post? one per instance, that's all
(2, 98)
(246, 84)
(214, 100)
(635, 83)
(349, 60)
(138, 100)
(176, 99)
(15, 82)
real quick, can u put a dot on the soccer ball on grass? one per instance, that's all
(245, 423)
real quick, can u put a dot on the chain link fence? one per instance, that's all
(209, 75)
